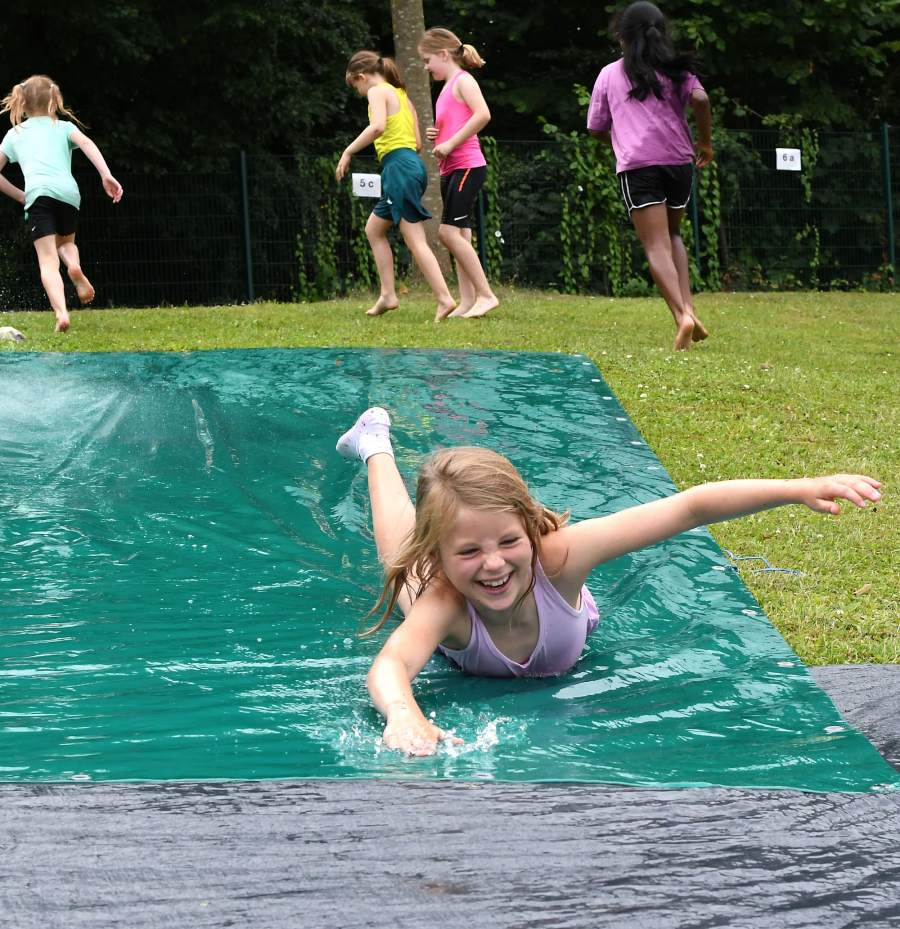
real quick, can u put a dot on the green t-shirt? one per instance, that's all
(43, 148)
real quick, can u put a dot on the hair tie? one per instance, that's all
(380, 61)
(22, 85)
(52, 86)
(461, 50)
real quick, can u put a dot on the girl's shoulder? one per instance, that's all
(384, 91)
(554, 551)
(447, 610)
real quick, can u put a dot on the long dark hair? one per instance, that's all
(649, 51)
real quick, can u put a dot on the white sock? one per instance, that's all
(370, 435)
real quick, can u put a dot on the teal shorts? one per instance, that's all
(403, 183)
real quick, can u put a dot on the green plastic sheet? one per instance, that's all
(185, 561)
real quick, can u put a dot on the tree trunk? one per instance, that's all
(409, 23)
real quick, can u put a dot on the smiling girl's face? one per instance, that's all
(486, 556)
(437, 64)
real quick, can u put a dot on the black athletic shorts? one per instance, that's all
(47, 216)
(669, 184)
(458, 191)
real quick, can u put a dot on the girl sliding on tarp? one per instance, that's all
(493, 580)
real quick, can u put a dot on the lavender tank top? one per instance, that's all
(450, 115)
(562, 632)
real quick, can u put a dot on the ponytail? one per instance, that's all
(437, 40)
(36, 96)
(367, 62)
(649, 52)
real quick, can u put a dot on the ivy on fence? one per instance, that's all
(553, 217)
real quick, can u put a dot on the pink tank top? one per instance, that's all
(450, 115)
(562, 632)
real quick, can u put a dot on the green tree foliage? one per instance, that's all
(163, 84)
(835, 62)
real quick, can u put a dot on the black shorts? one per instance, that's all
(669, 184)
(48, 216)
(458, 191)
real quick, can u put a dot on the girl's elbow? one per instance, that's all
(378, 129)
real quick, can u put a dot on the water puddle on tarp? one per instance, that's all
(185, 561)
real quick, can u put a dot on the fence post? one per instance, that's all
(245, 205)
(695, 220)
(888, 198)
(479, 223)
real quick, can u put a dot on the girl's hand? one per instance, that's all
(112, 187)
(342, 166)
(822, 492)
(704, 154)
(443, 150)
(411, 733)
(431, 133)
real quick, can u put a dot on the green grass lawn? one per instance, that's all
(787, 385)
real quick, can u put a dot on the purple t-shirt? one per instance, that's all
(644, 132)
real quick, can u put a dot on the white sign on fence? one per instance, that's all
(787, 159)
(367, 185)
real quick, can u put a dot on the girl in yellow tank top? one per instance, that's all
(394, 129)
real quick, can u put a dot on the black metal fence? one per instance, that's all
(283, 229)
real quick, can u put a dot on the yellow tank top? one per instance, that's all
(400, 131)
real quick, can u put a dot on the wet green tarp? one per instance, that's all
(185, 561)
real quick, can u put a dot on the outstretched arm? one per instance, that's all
(703, 116)
(398, 664)
(110, 184)
(377, 125)
(590, 543)
(6, 186)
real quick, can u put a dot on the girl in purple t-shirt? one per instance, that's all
(495, 581)
(638, 107)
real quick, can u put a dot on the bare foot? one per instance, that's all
(83, 286)
(700, 331)
(482, 306)
(685, 331)
(383, 305)
(462, 309)
(445, 309)
(62, 321)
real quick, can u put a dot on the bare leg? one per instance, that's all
(68, 251)
(476, 296)
(414, 234)
(652, 226)
(393, 515)
(48, 259)
(376, 233)
(679, 256)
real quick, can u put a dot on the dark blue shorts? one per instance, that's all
(669, 184)
(403, 182)
(48, 215)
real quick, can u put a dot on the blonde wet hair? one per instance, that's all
(36, 96)
(471, 477)
(437, 40)
(367, 62)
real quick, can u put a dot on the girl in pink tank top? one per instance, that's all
(460, 114)
(495, 581)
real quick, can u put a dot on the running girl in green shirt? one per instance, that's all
(394, 128)
(42, 144)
